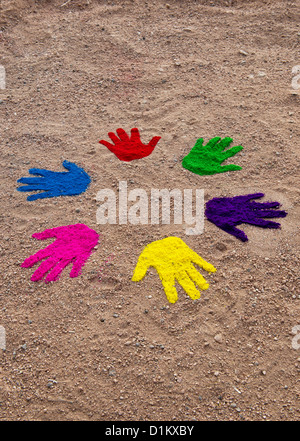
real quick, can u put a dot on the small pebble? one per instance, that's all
(218, 338)
(221, 246)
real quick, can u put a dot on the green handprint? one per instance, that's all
(207, 159)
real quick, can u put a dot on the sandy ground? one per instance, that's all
(84, 349)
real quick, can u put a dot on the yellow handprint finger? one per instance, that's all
(170, 289)
(197, 278)
(195, 258)
(140, 269)
(173, 260)
(188, 285)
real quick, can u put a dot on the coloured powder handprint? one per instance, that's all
(207, 159)
(173, 260)
(52, 184)
(129, 148)
(226, 213)
(73, 245)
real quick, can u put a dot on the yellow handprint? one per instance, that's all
(173, 260)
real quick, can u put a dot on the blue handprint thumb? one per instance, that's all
(77, 177)
(51, 184)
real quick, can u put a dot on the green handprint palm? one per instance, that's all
(207, 159)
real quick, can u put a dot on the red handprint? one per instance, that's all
(129, 148)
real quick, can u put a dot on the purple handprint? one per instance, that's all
(74, 244)
(226, 213)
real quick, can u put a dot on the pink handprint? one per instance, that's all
(74, 244)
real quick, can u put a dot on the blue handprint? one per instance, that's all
(52, 184)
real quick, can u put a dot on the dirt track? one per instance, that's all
(84, 349)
